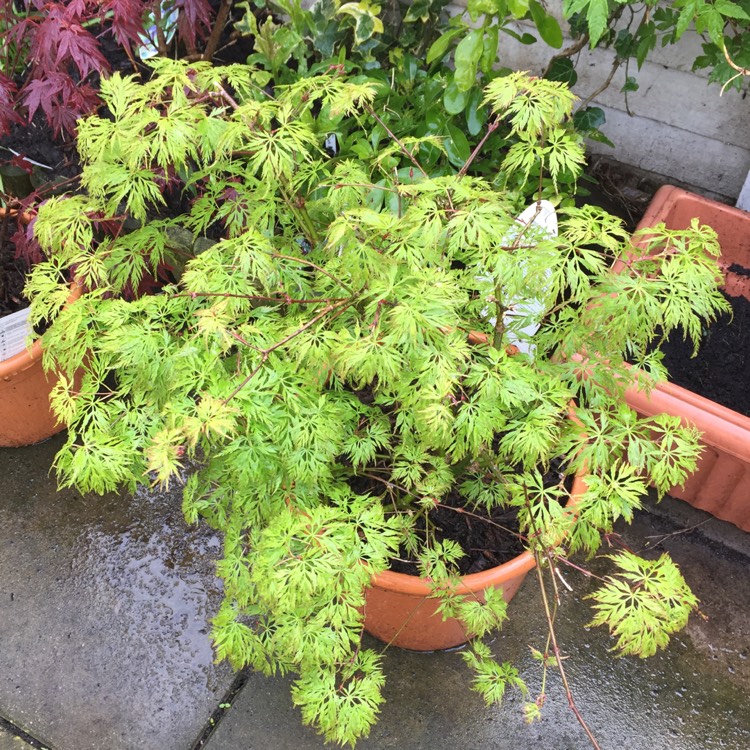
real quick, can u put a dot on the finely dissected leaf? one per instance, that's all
(643, 604)
(345, 710)
(491, 679)
(530, 108)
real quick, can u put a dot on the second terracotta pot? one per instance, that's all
(25, 414)
(721, 484)
(400, 611)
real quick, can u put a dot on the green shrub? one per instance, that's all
(308, 375)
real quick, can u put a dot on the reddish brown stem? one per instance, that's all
(490, 130)
(539, 557)
(221, 20)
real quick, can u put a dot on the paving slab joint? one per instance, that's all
(225, 705)
(16, 731)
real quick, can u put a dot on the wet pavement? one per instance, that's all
(104, 613)
(10, 742)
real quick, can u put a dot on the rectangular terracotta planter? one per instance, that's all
(721, 484)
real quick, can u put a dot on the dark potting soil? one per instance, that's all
(721, 369)
(487, 540)
(12, 270)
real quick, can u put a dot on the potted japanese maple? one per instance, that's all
(721, 482)
(353, 351)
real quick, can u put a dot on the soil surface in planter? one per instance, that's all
(487, 539)
(721, 369)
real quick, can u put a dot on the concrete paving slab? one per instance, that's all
(104, 608)
(693, 696)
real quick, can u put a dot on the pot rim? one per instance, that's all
(27, 358)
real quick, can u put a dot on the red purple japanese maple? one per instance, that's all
(51, 52)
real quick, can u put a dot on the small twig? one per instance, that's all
(560, 576)
(574, 48)
(733, 64)
(491, 128)
(26, 158)
(550, 615)
(265, 353)
(395, 139)
(340, 185)
(483, 519)
(226, 96)
(244, 342)
(306, 262)
(286, 299)
(615, 66)
(583, 571)
(558, 656)
(660, 539)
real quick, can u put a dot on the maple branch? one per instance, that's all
(490, 130)
(266, 353)
(732, 64)
(317, 268)
(261, 298)
(225, 95)
(590, 98)
(550, 614)
(567, 52)
(395, 139)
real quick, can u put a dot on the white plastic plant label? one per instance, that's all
(169, 14)
(540, 215)
(14, 330)
(543, 216)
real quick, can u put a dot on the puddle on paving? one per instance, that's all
(156, 577)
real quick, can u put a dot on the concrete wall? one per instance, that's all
(675, 126)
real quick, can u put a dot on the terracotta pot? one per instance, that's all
(25, 414)
(400, 611)
(721, 484)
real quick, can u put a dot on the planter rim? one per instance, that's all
(668, 195)
(25, 359)
(474, 582)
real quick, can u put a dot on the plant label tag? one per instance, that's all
(169, 14)
(14, 330)
(543, 218)
(523, 316)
